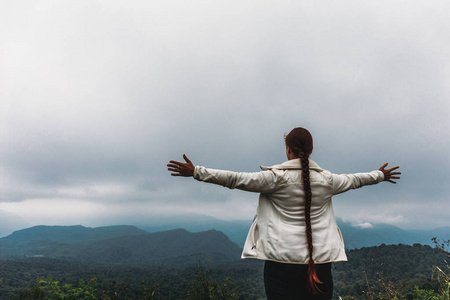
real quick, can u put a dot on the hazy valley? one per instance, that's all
(167, 252)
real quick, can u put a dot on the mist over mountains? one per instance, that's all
(127, 254)
(355, 236)
(164, 240)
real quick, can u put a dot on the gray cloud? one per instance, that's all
(97, 97)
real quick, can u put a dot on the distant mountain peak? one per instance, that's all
(72, 233)
(121, 245)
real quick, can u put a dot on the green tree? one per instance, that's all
(53, 289)
(205, 288)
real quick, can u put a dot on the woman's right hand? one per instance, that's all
(389, 175)
(181, 169)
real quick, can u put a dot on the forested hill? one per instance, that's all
(398, 268)
(378, 270)
(120, 245)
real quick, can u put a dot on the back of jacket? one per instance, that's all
(278, 231)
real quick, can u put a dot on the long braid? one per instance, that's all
(313, 280)
(300, 142)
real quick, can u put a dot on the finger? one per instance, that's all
(173, 170)
(187, 159)
(176, 174)
(383, 166)
(176, 162)
(395, 177)
(394, 168)
(396, 173)
(392, 181)
(173, 166)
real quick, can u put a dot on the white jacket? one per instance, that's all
(278, 230)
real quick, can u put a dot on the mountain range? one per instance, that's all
(355, 236)
(177, 241)
(169, 251)
(120, 245)
(131, 257)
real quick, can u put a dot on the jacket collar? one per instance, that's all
(293, 164)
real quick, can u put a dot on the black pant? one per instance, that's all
(290, 281)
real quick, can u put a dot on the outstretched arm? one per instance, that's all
(389, 175)
(181, 169)
(344, 182)
(261, 182)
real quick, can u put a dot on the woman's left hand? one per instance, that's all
(389, 175)
(181, 169)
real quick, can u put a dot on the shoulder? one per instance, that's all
(324, 176)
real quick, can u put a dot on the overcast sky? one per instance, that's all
(97, 96)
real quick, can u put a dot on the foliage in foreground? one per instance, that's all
(383, 272)
(205, 288)
(49, 289)
(388, 272)
(385, 288)
(202, 288)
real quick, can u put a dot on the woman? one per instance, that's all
(294, 229)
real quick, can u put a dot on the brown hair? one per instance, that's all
(300, 141)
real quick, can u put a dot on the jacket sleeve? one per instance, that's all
(345, 182)
(261, 182)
